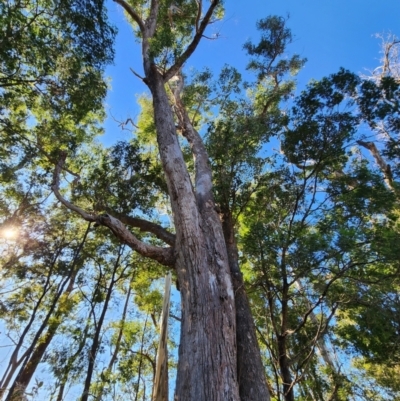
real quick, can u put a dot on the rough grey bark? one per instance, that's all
(207, 366)
(250, 370)
(207, 351)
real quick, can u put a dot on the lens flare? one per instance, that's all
(9, 233)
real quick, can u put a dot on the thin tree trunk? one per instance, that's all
(14, 361)
(282, 334)
(284, 368)
(41, 344)
(16, 387)
(282, 338)
(117, 344)
(28, 369)
(325, 354)
(139, 373)
(96, 339)
(71, 360)
(61, 389)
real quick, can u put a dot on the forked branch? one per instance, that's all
(132, 13)
(203, 175)
(165, 256)
(193, 45)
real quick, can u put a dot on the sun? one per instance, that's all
(9, 233)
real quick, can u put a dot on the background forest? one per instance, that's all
(306, 184)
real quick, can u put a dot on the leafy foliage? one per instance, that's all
(316, 222)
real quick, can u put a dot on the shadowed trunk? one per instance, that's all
(250, 370)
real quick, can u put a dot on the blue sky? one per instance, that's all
(329, 33)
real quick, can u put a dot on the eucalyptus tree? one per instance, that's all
(51, 89)
(320, 240)
(298, 212)
(51, 84)
(39, 282)
(207, 367)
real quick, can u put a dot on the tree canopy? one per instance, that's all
(275, 210)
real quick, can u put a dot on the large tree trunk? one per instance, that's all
(207, 366)
(207, 351)
(250, 370)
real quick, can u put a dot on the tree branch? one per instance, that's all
(198, 16)
(384, 167)
(203, 174)
(132, 13)
(151, 22)
(136, 74)
(192, 46)
(145, 226)
(165, 256)
(55, 186)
